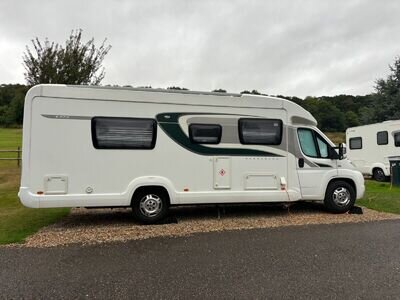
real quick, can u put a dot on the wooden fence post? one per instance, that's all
(18, 156)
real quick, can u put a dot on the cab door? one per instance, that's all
(316, 163)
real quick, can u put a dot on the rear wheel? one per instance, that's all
(150, 205)
(378, 174)
(340, 197)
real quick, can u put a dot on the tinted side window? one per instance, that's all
(314, 145)
(260, 131)
(323, 148)
(397, 139)
(382, 138)
(205, 133)
(355, 143)
(123, 133)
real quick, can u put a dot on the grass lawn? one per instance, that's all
(379, 196)
(10, 139)
(16, 221)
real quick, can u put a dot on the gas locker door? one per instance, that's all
(222, 173)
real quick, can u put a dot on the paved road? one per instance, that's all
(319, 261)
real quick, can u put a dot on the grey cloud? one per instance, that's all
(287, 47)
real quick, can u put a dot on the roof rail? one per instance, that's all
(157, 90)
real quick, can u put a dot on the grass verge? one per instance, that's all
(381, 197)
(16, 221)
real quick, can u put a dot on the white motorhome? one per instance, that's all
(370, 147)
(151, 148)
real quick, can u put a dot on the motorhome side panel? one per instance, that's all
(62, 156)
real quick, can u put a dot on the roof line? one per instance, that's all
(158, 90)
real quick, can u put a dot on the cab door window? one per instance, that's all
(323, 147)
(312, 144)
(307, 142)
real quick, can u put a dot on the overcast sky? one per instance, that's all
(277, 47)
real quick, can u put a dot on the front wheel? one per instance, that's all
(340, 197)
(150, 206)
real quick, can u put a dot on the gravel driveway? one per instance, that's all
(94, 226)
(341, 261)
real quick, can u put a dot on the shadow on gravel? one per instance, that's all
(120, 216)
(93, 226)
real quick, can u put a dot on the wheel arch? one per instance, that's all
(345, 179)
(379, 165)
(153, 188)
(149, 182)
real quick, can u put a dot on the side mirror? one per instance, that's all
(342, 150)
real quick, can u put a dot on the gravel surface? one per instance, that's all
(94, 226)
(341, 261)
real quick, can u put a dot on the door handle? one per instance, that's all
(301, 162)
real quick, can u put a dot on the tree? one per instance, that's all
(177, 88)
(388, 94)
(351, 119)
(75, 63)
(254, 92)
(12, 104)
(367, 115)
(219, 91)
(329, 117)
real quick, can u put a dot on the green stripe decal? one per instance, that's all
(169, 124)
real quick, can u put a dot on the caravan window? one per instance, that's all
(205, 133)
(260, 131)
(355, 143)
(123, 133)
(382, 138)
(397, 139)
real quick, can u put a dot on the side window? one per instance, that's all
(260, 131)
(355, 143)
(307, 143)
(312, 144)
(382, 138)
(123, 133)
(205, 133)
(397, 139)
(323, 148)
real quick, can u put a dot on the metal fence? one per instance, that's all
(17, 158)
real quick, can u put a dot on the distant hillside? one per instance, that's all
(336, 137)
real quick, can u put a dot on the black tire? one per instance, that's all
(379, 175)
(340, 197)
(150, 205)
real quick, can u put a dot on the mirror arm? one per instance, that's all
(336, 155)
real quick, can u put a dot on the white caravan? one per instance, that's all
(370, 147)
(151, 148)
